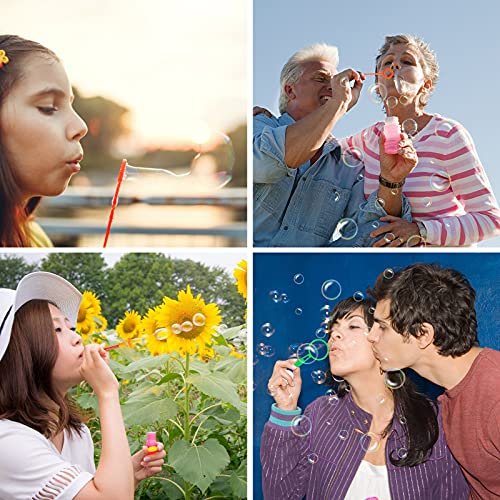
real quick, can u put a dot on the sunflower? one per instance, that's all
(240, 273)
(185, 325)
(90, 308)
(129, 326)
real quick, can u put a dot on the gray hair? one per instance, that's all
(294, 67)
(428, 58)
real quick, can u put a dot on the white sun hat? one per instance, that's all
(38, 285)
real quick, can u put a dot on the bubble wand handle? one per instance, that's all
(302, 360)
(114, 203)
(114, 346)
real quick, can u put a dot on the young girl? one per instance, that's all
(367, 441)
(40, 137)
(450, 196)
(46, 452)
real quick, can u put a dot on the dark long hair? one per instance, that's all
(27, 394)
(14, 217)
(419, 412)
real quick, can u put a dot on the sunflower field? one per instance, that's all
(182, 373)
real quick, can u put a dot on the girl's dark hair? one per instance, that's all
(14, 217)
(421, 426)
(27, 394)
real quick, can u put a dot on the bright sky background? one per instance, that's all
(178, 65)
(464, 34)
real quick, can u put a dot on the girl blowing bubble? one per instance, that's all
(40, 135)
(46, 451)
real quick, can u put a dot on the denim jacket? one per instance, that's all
(303, 206)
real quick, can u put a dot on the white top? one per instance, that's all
(32, 467)
(370, 481)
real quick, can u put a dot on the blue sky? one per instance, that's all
(464, 34)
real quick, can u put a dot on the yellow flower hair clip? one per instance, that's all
(3, 58)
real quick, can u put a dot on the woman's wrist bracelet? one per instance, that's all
(389, 184)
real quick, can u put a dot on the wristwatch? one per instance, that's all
(422, 230)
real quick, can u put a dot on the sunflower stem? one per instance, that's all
(187, 427)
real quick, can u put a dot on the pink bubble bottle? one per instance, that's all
(392, 135)
(151, 443)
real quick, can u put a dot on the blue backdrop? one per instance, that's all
(296, 319)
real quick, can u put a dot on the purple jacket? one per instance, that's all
(322, 465)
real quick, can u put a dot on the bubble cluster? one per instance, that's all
(331, 289)
(298, 279)
(394, 379)
(301, 425)
(352, 157)
(267, 330)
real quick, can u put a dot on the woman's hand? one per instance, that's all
(395, 168)
(285, 384)
(145, 465)
(397, 233)
(96, 372)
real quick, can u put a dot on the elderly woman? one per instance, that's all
(450, 196)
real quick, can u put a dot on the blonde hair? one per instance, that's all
(428, 58)
(294, 67)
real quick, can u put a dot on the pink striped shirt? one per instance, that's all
(448, 190)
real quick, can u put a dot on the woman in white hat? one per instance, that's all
(46, 451)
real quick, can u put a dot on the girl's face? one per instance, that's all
(350, 351)
(40, 131)
(66, 371)
(405, 61)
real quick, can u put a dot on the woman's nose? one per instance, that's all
(336, 335)
(395, 66)
(77, 128)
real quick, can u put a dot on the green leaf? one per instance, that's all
(218, 386)
(171, 491)
(147, 363)
(238, 481)
(234, 368)
(148, 409)
(117, 368)
(230, 333)
(88, 401)
(198, 465)
(220, 340)
(169, 377)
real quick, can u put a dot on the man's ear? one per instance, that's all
(289, 91)
(426, 336)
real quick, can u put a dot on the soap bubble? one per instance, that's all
(312, 458)
(375, 224)
(267, 330)
(275, 296)
(321, 333)
(380, 203)
(298, 311)
(344, 81)
(402, 453)
(333, 399)
(352, 157)
(301, 425)
(221, 328)
(440, 181)
(415, 241)
(331, 289)
(161, 334)
(267, 351)
(326, 310)
(336, 195)
(360, 177)
(389, 273)
(284, 298)
(369, 442)
(176, 328)
(388, 237)
(199, 319)
(298, 279)
(343, 434)
(444, 129)
(402, 420)
(330, 392)
(329, 422)
(187, 326)
(371, 310)
(318, 376)
(391, 102)
(427, 202)
(377, 93)
(404, 100)
(380, 399)
(346, 229)
(358, 296)
(409, 127)
(292, 348)
(394, 379)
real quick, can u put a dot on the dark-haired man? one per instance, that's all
(425, 320)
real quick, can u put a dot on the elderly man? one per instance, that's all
(306, 192)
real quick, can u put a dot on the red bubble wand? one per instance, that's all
(114, 203)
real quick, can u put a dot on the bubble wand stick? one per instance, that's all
(114, 203)
(387, 73)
